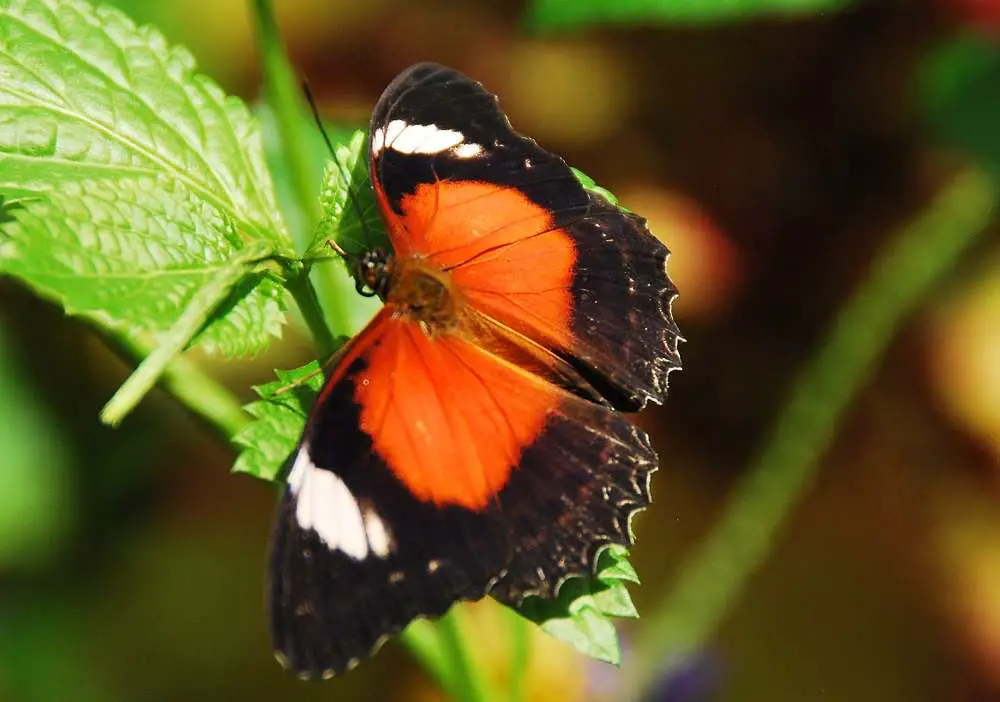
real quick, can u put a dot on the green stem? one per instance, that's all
(710, 583)
(520, 655)
(198, 392)
(466, 684)
(422, 641)
(169, 346)
(305, 298)
(283, 95)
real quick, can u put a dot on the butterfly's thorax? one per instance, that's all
(424, 293)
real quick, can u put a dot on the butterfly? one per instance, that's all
(468, 441)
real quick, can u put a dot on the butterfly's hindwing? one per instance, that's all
(355, 556)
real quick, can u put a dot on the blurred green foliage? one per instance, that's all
(573, 15)
(37, 508)
(961, 91)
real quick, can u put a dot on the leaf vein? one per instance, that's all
(169, 167)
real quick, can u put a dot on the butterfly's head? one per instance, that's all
(372, 271)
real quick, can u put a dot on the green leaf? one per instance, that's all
(961, 91)
(614, 567)
(587, 182)
(149, 180)
(87, 94)
(132, 255)
(581, 613)
(568, 15)
(350, 214)
(349, 217)
(279, 418)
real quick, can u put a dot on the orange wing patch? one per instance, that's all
(504, 253)
(448, 419)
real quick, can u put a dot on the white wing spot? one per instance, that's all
(468, 150)
(324, 504)
(378, 141)
(379, 539)
(384, 136)
(425, 139)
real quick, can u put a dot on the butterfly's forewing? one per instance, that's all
(526, 243)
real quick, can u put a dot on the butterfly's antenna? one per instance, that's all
(344, 173)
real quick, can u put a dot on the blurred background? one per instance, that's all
(776, 155)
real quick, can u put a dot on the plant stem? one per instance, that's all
(198, 392)
(710, 583)
(305, 298)
(422, 640)
(466, 683)
(304, 167)
(282, 90)
(520, 655)
(194, 317)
